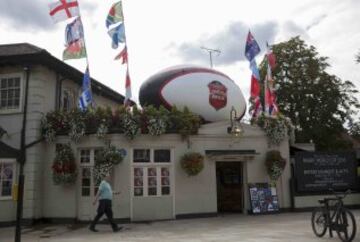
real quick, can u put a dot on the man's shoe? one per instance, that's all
(93, 229)
(117, 229)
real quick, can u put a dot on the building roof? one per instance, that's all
(7, 151)
(27, 54)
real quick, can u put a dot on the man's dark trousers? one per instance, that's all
(104, 208)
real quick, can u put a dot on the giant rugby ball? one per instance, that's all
(206, 92)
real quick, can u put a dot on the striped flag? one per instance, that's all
(123, 55)
(270, 95)
(251, 50)
(63, 9)
(117, 35)
(115, 14)
(127, 89)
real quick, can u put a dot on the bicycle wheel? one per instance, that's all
(346, 225)
(318, 222)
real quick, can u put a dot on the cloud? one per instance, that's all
(316, 21)
(231, 43)
(26, 15)
(291, 29)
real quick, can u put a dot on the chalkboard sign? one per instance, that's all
(319, 171)
(262, 199)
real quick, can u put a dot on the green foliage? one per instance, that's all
(64, 166)
(105, 159)
(275, 127)
(318, 104)
(192, 163)
(275, 165)
(102, 121)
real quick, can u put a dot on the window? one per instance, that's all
(141, 155)
(10, 88)
(152, 176)
(87, 161)
(67, 100)
(7, 178)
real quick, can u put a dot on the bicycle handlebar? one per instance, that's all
(340, 195)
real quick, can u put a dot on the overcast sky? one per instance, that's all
(163, 33)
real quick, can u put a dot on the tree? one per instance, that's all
(318, 104)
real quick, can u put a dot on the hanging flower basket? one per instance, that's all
(192, 163)
(275, 165)
(105, 159)
(275, 128)
(64, 166)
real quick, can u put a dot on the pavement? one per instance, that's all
(289, 227)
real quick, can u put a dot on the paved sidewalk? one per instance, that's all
(229, 227)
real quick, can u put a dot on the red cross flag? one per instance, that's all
(64, 9)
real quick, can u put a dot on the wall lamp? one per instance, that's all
(235, 128)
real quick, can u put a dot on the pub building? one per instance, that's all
(151, 179)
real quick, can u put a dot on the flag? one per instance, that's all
(270, 57)
(251, 48)
(127, 89)
(74, 31)
(271, 107)
(115, 14)
(255, 77)
(75, 50)
(63, 9)
(85, 99)
(117, 35)
(123, 55)
(86, 79)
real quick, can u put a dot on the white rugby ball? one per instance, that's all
(206, 92)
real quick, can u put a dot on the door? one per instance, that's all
(229, 182)
(87, 187)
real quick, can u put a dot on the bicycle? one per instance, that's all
(336, 218)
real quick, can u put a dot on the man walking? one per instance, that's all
(104, 195)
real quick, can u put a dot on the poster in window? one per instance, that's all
(138, 181)
(8, 171)
(138, 171)
(165, 181)
(165, 171)
(151, 171)
(152, 181)
(138, 191)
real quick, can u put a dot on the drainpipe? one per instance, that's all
(22, 160)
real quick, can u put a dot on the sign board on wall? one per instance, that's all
(262, 198)
(319, 171)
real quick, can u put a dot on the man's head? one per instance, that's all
(107, 177)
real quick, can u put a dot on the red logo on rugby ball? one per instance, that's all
(217, 95)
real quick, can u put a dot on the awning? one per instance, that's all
(7, 151)
(231, 155)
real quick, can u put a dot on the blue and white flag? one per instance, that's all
(74, 31)
(86, 80)
(85, 99)
(117, 35)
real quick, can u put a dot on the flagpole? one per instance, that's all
(93, 104)
(127, 57)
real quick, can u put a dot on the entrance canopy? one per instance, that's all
(7, 151)
(231, 155)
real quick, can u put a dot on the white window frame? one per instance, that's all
(8, 161)
(152, 164)
(14, 75)
(71, 96)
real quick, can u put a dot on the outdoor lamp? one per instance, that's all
(235, 128)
